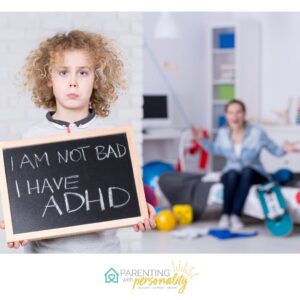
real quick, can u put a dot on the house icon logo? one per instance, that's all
(111, 276)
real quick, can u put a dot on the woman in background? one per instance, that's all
(240, 143)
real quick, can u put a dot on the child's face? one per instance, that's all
(72, 80)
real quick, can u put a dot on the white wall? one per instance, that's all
(22, 32)
(280, 61)
(189, 82)
(189, 52)
(280, 65)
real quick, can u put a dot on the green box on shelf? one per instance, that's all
(226, 91)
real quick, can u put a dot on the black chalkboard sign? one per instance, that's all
(70, 184)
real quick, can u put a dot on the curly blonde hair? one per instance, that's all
(109, 68)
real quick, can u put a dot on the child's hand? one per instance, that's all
(148, 223)
(15, 245)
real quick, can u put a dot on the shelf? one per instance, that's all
(223, 81)
(293, 128)
(162, 133)
(220, 102)
(234, 72)
(223, 51)
(216, 130)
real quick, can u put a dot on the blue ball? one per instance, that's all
(282, 175)
(158, 209)
(152, 171)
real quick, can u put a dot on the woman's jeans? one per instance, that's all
(236, 187)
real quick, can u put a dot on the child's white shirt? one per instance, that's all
(99, 242)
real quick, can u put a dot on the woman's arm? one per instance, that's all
(211, 147)
(272, 147)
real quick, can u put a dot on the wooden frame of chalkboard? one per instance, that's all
(34, 173)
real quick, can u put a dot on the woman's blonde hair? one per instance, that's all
(109, 68)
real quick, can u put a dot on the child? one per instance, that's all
(75, 75)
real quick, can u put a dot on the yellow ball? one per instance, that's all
(183, 213)
(165, 220)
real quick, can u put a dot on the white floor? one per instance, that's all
(162, 242)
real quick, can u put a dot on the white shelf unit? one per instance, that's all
(233, 72)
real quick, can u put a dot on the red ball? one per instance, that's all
(298, 197)
(150, 196)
